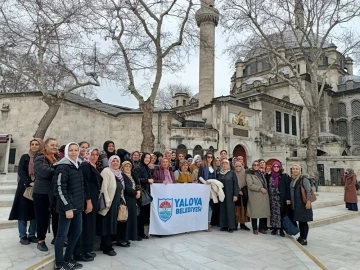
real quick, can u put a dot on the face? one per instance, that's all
(115, 164)
(73, 152)
(209, 158)
(169, 154)
(276, 168)
(240, 159)
(223, 154)
(127, 168)
(136, 156)
(94, 156)
(153, 159)
(217, 162)
(83, 148)
(184, 167)
(181, 157)
(296, 171)
(147, 159)
(225, 165)
(51, 147)
(234, 160)
(34, 146)
(262, 164)
(198, 163)
(160, 158)
(173, 155)
(256, 166)
(238, 168)
(111, 148)
(189, 161)
(165, 163)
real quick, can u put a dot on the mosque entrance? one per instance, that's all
(239, 150)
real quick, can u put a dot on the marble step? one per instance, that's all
(8, 189)
(9, 176)
(6, 200)
(329, 215)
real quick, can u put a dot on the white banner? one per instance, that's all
(179, 208)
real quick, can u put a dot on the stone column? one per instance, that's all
(207, 18)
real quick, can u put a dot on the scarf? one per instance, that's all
(105, 146)
(351, 172)
(196, 158)
(261, 177)
(276, 175)
(117, 172)
(241, 176)
(75, 163)
(295, 180)
(224, 171)
(50, 157)
(87, 155)
(32, 156)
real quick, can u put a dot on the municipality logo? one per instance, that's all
(165, 209)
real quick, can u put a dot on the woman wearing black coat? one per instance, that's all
(128, 230)
(23, 209)
(92, 186)
(143, 174)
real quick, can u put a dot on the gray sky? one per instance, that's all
(188, 76)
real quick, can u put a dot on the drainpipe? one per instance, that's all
(6, 167)
(159, 132)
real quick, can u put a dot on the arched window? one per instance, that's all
(356, 130)
(181, 149)
(342, 110)
(198, 150)
(286, 98)
(342, 129)
(355, 107)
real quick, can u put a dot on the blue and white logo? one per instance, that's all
(165, 209)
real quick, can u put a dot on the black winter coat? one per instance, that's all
(68, 187)
(284, 187)
(142, 174)
(43, 175)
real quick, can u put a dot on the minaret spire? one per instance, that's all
(299, 14)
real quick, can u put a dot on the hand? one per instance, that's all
(31, 184)
(263, 190)
(164, 182)
(308, 205)
(235, 198)
(288, 202)
(89, 207)
(151, 181)
(241, 193)
(138, 194)
(108, 206)
(69, 214)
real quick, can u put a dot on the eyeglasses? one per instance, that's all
(256, 165)
(276, 166)
(209, 157)
(237, 166)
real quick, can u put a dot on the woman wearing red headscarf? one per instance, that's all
(279, 194)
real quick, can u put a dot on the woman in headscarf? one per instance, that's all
(164, 174)
(113, 188)
(231, 190)
(182, 175)
(23, 209)
(135, 158)
(43, 192)
(92, 185)
(143, 174)
(258, 206)
(194, 165)
(240, 205)
(279, 195)
(129, 230)
(69, 194)
(83, 147)
(302, 211)
(350, 193)
(108, 151)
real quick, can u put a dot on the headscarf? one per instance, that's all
(105, 147)
(276, 175)
(196, 158)
(87, 155)
(32, 156)
(241, 176)
(128, 174)
(227, 170)
(117, 172)
(74, 162)
(350, 172)
(163, 159)
(297, 178)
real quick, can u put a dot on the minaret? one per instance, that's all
(299, 14)
(207, 18)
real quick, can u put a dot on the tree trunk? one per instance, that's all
(147, 144)
(54, 106)
(311, 151)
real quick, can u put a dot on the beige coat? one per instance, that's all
(108, 187)
(258, 204)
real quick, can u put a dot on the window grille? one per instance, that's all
(342, 129)
(278, 121)
(342, 110)
(356, 130)
(293, 125)
(355, 108)
(286, 123)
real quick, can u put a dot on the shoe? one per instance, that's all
(303, 242)
(236, 229)
(255, 232)
(91, 254)
(139, 238)
(263, 231)
(63, 267)
(24, 240)
(83, 258)
(119, 244)
(33, 239)
(223, 229)
(111, 253)
(299, 239)
(145, 237)
(42, 246)
(282, 234)
(274, 232)
(74, 264)
(231, 230)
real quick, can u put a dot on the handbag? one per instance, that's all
(101, 202)
(303, 194)
(289, 227)
(122, 211)
(146, 198)
(28, 193)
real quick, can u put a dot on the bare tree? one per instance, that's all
(165, 95)
(292, 35)
(43, 43)
(148, 39)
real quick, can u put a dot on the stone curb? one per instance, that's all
(334, 219)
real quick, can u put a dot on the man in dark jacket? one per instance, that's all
(69, 193)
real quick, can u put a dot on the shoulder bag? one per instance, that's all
(28, 193)
(101, 202)
(122, 211)
(303, 193)
(146, 198)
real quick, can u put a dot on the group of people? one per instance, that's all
(81, 189)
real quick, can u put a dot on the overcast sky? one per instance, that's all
(189, 76)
